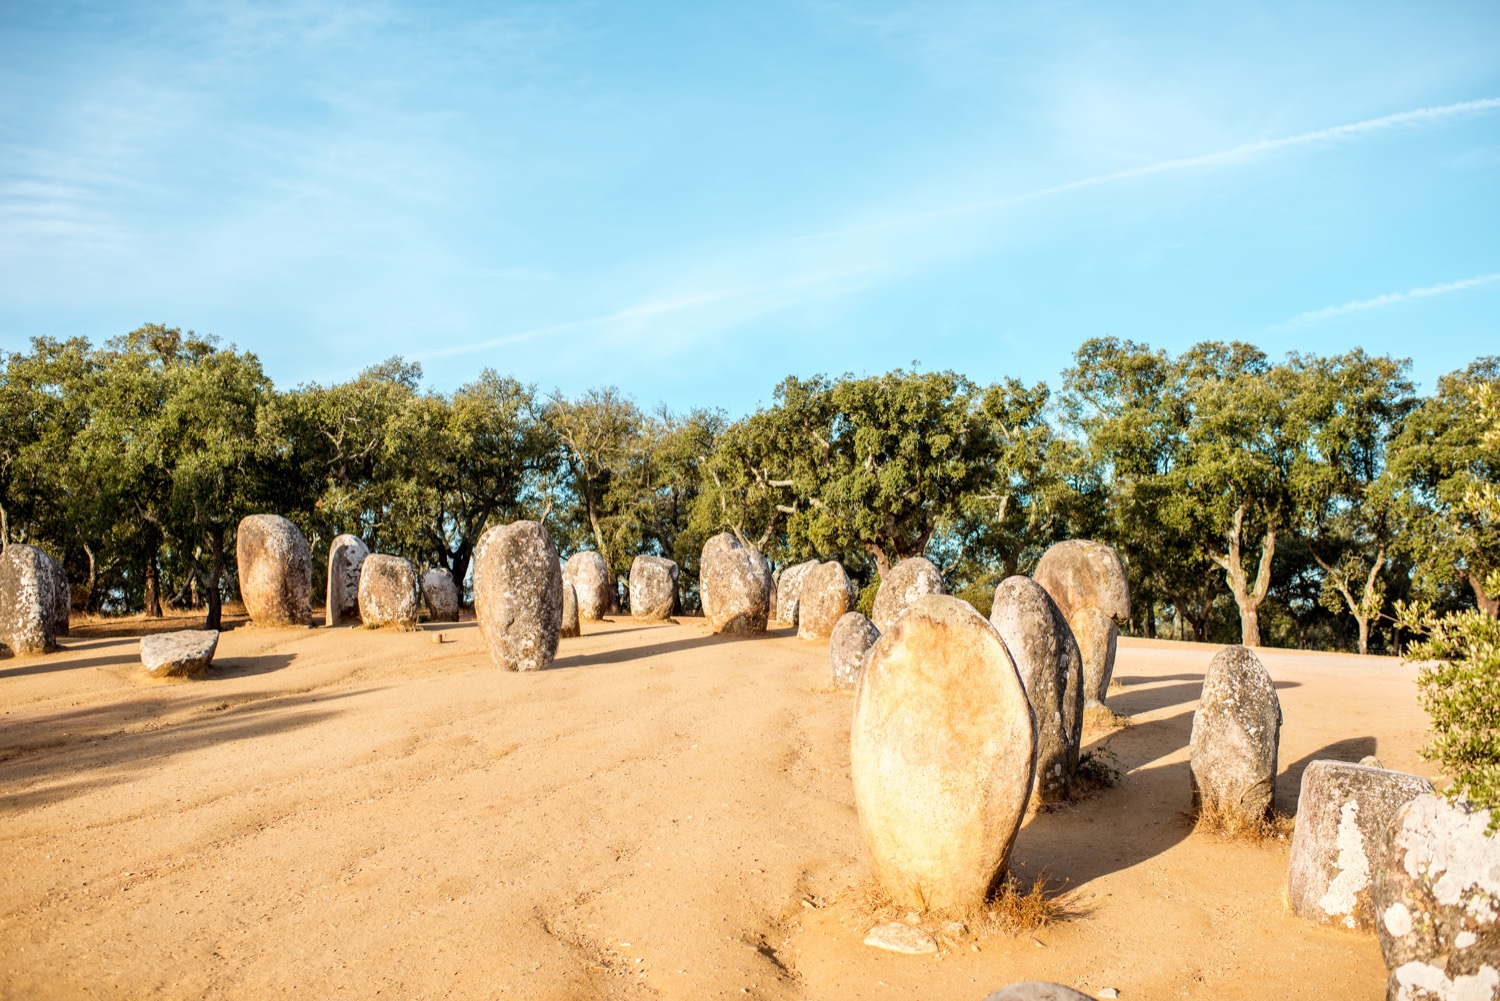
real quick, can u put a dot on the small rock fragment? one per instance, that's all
(897, 936)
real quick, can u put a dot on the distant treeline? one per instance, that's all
(1286, 502)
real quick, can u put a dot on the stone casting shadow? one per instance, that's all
(1289, 782)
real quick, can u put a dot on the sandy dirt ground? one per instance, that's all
(665, 813)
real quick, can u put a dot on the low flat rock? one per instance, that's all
(1235, 738)
(903, 938)
(853, 635)
(183, 654)
(1040, 990)
(907, 581)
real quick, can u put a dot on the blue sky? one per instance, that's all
(691, 201)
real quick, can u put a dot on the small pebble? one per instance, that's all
(437, 637)
(1109, 992)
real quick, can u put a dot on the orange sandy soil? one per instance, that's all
(356, 813)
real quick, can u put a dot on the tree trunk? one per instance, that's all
(92, 603)
(1364, 633)
(1248, 597)
(882, 561)
(4, 528)
(1488, 603)
(215, 538)
(153, 588)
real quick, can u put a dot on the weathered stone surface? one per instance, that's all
(941, 752)
(29, 583)
(852, 637)
(1037, 990)
(275, 571)
(734, 584)
(593, 585)
(908, 580)
(388, 592)
(906, 939)
(62, 596)
(1343, 812)
(518, 595)
(1236, 733)
(440, 595)
(570, 627)
(789, 591)
(1087, 581)
(1041, 645)
(1437, 903)
(346, 557)
(186, 653)
(653, 587)
(827, 594)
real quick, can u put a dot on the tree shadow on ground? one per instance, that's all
(647, 651)
(48, 663)
(1144, 698)
(1289, 782)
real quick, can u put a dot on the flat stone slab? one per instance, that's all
(183, 654)
(902, 938)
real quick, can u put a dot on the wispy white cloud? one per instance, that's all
(1390, 299)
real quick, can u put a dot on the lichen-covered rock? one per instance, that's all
(440, 595)
(593, 585)
(186, 653)
(62, 596)
(827, 594)
(518, 595)
(1037, 990)
(346, 557)
(388, 592)
(1046, 656)
(275, 571)
(1437, 903)
(734, 584)
(570, 627)
(789, 591)
(1343, 813)
(907, 581)
(1087, 581)
(29, 582)
(941, 751)
(852, 637)
(653, 587)
(1236, 734)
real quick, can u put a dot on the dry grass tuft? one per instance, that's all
(1102, 717)
(1010, 909)
(1226, 826)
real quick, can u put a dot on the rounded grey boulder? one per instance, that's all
(186, 653)
(346, 555)
(570, 627)
(653, 587)
(440, 595)
(29, 585)
(827, 593)
(941, 751)
(908, 580)
(1046, 656)
(62, 596)
(789, 591)
(518, 595)
(388, 592)
(1037, 990)
(852, 637)
(591, 581)
(1087, 581)
(1343, 811)
(275, 571)
(735, 586)
(1236, 734)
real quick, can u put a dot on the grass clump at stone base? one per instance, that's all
(1102, 717)
(1010, 909)
(1099, 768)
(1227, 826)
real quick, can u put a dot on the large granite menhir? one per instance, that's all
(734, 584)
(592, 584)
(346, 557)
(653, 588)
(389, 593)
(789, 591)
(518, 595)
(827, 593)
(440, 595)
(1235, 738)
(275, 571)
(907, 581)
(30, 582)
(1087, 581)
(853, 636)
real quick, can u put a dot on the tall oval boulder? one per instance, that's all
(440, 595)
(1087, 581)
(653, 587)
(1041, 644)
(827, 594)
(909, 580)
(1235, 738)
(735, 586)
(388, 592)
(346, 556)
(941, 752)
(592, 584)
(62, 595)
(275, 571)
(853, 636)
(1343, 812)
(789, 591)
(518, 595)
(570, 627)
(29, 584)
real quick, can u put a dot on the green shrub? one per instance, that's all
(866, 603)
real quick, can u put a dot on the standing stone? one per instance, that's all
(275, 571)
(62, 596)
(941, 751)
(570, 627)
(827, 594)
(441, 595)
(735, 586)
(1343, 812)
(346, 556)
(1437, 903)
(388, 592)
(789, 591)
(852, 637)
(1087, 581)
(592, 583)
(518, 595)
(1236, 732)
(653, 587)
(185, 654)
(28, 600)
(908, 580)
(1046, 656)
